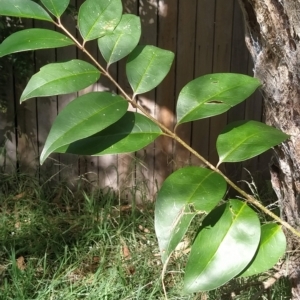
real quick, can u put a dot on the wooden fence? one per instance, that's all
(206, 35)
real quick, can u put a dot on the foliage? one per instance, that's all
(229, 240)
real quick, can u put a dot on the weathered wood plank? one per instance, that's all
(126, 162)
(145, 182)
(165, 93)
(27, 149)
(46, 111)
(186, 27)
(108, 164)
(221, 63)
(8, 146)
(239, 64)
(68, 162)
(203, 65)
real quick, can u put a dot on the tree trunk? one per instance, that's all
(273, 39)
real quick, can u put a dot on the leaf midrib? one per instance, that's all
(202, 103)
(93, 26)
(237, 146)
(214, 254)
(80, 123)
(58, 79)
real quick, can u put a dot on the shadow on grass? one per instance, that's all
(58, 244)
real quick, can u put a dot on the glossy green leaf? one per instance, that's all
(61, 78)
(226, 243)
(83, 117)
(129, 134)
(56, 7)
(271, 248)
(186, 191)
(147, 66)
(98, 18)
(33, 39)
(119, 43)
(242, 140)
(23, 9)
(213, 94)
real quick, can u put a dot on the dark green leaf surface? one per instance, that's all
(271, 248)
(83, 117)
(119, 43)
(61, 78)
(189, 187)
(23, 9)
(33, 39)
(213, 94)
(242, 140)
(98, 18)
(147, 66)
(129, 134)
(226, 243)
(56, 7)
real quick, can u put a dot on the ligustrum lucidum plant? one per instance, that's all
(230, 240)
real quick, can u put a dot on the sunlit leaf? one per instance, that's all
(23, 9)
(242, 140)
(97, 18)
(83, 117)
(61, 78)
(56, 7)
(271, 248)
(185, 192)
(33, 39)
(120, 42)
(213, 94)
(129, 134)
(147, 66)
(226, 243)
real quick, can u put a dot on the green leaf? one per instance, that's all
(213, 94)
(147, 66)
(119, 43)
(83, 117)
(242, 140)
(129, 134)
(33, 39)
(56, 7)
(225, 245)
(186, 191)
(61, 78)
(271, 248)
(98, 18)
(23, 9)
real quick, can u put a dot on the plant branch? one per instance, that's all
(173, 135)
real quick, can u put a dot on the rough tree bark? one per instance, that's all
(273, 39)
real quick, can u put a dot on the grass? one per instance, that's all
(58, 244)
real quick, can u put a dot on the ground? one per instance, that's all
(58, 244)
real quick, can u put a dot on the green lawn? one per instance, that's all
(58, 244)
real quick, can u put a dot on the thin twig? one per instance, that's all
(267, 284)
(163, 276)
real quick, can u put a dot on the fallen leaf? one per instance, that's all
(126, 252)
(19, 196)
(125, 207)
(96, 259)
(18, 225)
(21, 263)
(146, 230)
